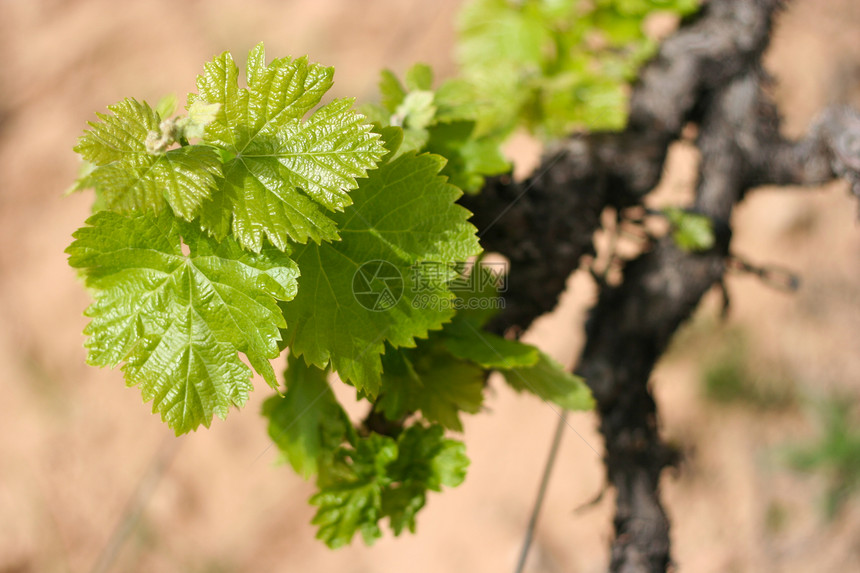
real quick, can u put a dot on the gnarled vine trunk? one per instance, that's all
(709, 74)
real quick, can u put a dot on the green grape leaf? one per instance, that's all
(619, 28)
(392, 138)
(414, 115)
(470, 158)
(306, 423)
(464, 336)
(486, 349)
(180, 320)
(501, 35)
(456, 100)
(380, 477)
(645, 7)
(401, 504)
(392, 91)
(426, 460)
(549, 381)
(119, 134)
(200, 114)
(536, 63)
(691, 231)
(419, 77)
(281, 172)
(499, 45)
(441, 122)
(426, 456)
(430, 380)
(350, 496)
(479, 301)
(357, 293)
(444, 375)
(417, 110)
(597, 102)
(166, 106)
(128, 178)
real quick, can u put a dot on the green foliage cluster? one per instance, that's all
(362, 479)
(556, 65)
(442, 121)
(238, 231)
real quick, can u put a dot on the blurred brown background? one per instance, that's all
(74, 442)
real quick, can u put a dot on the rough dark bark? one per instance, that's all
(708, 73)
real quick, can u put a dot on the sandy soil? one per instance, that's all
(74, 442)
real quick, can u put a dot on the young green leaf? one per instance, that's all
(419, 77)
(690, 231)
(432, 381)
(166, 106)
(200, 114)
(306, 423)
(381, 477)
(470, 158)
(128, 178)
(441, 122)
(350, 496)
(281, 171)
(401, 504)
(465, 338)
(391, 90)
(179, 320)
(490, 351)
(555, 66)
(549, 381)
(426, 460)
(355, 294)
(414, 115)
(426, 456)
(501, 44)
